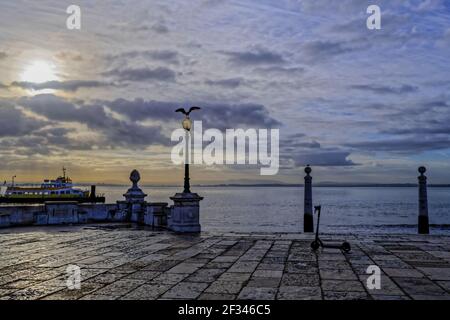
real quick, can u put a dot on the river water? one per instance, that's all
(280, 209)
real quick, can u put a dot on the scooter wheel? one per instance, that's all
(346, 246)
(315, 245)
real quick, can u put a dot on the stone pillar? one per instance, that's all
(185, 213)
(424, 227)
(308, 222)
(135, 199)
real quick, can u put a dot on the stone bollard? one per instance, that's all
(424, 227)
(185, 213)
(134, 198)
(308, 222)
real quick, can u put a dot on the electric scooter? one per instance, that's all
(317, 243)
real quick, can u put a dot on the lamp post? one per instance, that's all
(185, 212)
(13, 177)
(187, 125)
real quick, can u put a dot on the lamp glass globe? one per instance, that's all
(187, 124)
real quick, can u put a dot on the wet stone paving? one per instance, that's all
(123, 262)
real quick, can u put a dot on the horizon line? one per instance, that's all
(319, 184)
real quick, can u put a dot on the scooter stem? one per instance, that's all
(317, 209)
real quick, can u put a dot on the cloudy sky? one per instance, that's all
(358, 105)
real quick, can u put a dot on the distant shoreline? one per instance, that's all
(266, 185)
(396, 185)
(319, 185)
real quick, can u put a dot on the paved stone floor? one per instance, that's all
(128, 263)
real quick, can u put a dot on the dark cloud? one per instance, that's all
(298, 141)
(27, 145)
(411, 145)
(160, 28)
(116, 132)
(168, 56)
(3, 55)
(143, 74)
(319, 50)
(225, 116)
(386, 89)
(324, 158)
(221, 116)
(430, 119)
(298, 151)
(14, 122)
(231, 83)
(436, 104)
(297, 135)
(71, 85)
(56, 108)
(257, 56)
(163, 55)
(280, 70)
(45, 141)
(139, 109)
(57, 136)
(310, 145)
(427, 128)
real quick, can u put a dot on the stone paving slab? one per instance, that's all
(138, 264)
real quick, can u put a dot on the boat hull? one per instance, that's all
(47, 199)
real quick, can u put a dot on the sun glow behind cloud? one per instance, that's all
(39, 72)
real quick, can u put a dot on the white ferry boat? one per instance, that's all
(58, 190)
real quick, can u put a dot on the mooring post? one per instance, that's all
(424, 227)
(92, 194)
(308, 222)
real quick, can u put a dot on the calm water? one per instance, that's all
(278, 209)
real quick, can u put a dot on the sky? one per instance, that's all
(358, 105)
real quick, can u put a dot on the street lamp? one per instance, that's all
(13, 180)
(187, 125)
